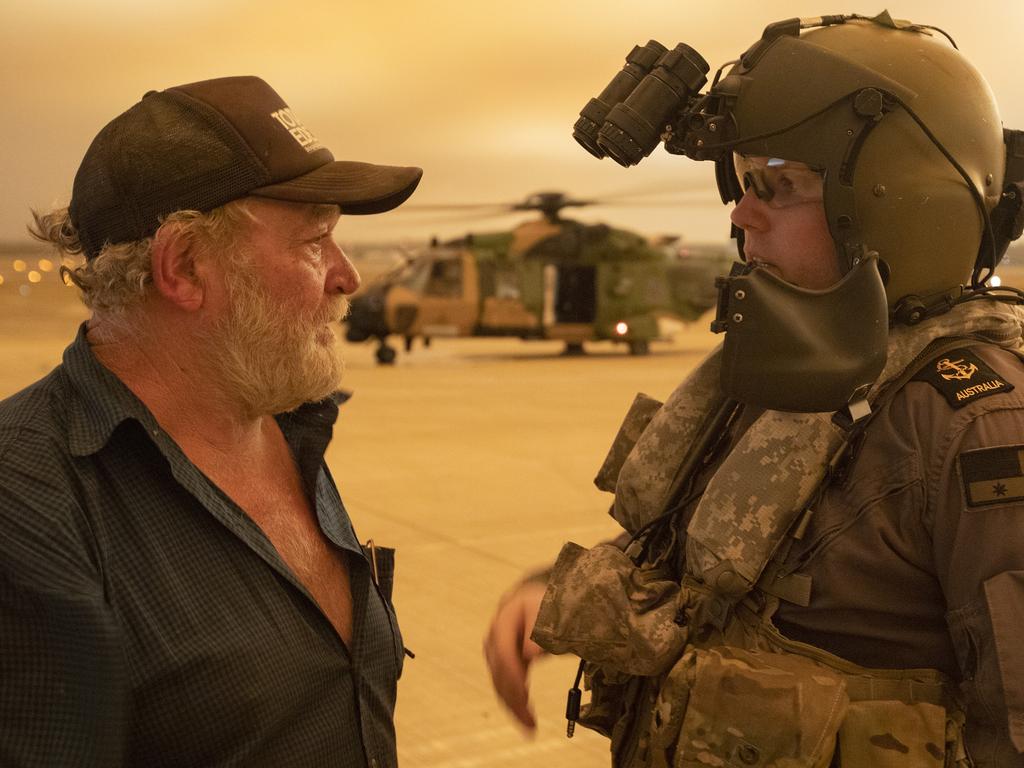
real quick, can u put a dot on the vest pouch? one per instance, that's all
(754, 709)
(893, 734)
(604, 609)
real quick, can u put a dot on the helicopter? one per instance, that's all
(548, 278)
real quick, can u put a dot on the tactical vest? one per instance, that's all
(684, 665)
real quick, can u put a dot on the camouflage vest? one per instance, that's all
(686, 669)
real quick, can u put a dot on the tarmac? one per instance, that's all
(474, 458)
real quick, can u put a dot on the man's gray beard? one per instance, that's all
(268, 360)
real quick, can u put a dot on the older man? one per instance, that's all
(180, 583)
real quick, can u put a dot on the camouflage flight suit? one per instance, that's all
(894, 607)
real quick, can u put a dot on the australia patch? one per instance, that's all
(962, 377)
(992, 475)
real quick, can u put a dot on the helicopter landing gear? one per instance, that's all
(386, 354)
(409, 340)
(573, 349)
(639, 347)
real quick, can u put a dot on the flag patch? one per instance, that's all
(992, 475)
(962, 377)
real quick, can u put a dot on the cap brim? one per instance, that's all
(358, 188)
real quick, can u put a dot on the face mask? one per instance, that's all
(793, 349)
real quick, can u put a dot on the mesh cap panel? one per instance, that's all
(199, 146)
(151, 162)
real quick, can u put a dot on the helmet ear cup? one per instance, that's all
(1007, 223)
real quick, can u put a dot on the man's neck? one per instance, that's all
(162, 369)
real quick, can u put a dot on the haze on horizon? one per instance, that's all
(481, 95)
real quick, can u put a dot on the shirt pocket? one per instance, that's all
(973, 642)
(382, 569)
(898, 487)
(1004, 594)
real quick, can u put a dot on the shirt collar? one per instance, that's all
(101, 402)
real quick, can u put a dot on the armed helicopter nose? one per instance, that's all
(365, 317)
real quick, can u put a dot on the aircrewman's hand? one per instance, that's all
(509, 649)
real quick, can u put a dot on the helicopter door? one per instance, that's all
(576, 293)
(448, 306)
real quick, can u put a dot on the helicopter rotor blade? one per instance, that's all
(673, 187)
(455, 218)
(432, 207)
(677, 203)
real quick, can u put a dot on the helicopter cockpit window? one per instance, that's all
(445, 278)
(415, 276)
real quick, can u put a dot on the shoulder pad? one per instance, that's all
(962, 377)
(638, 417)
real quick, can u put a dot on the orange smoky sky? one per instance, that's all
(481, 95)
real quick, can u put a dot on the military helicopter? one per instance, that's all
(548, 278)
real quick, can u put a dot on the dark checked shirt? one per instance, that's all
(145, 620)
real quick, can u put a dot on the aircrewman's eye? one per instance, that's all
(784, 184)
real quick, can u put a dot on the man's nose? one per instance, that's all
(343, 277)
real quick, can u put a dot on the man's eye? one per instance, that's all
(315, 247)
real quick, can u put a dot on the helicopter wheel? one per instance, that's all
(408, 343)
(426, 341)
(386, 354)
(639, 347)
(573, 348)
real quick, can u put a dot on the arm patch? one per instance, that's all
(962, 377)
(992, 475)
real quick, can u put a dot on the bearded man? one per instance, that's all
(180, 583)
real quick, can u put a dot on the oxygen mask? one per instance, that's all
(795, 349)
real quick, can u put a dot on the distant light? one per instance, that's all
(46, 265)
(19, 265)
(24, 290)
(1, 279)
(621, 328)
(996, 281)
(34, 277)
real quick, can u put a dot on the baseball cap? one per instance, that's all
(201, 145)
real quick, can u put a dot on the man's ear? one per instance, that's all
(175, 276)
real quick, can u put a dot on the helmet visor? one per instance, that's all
(780, 183)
